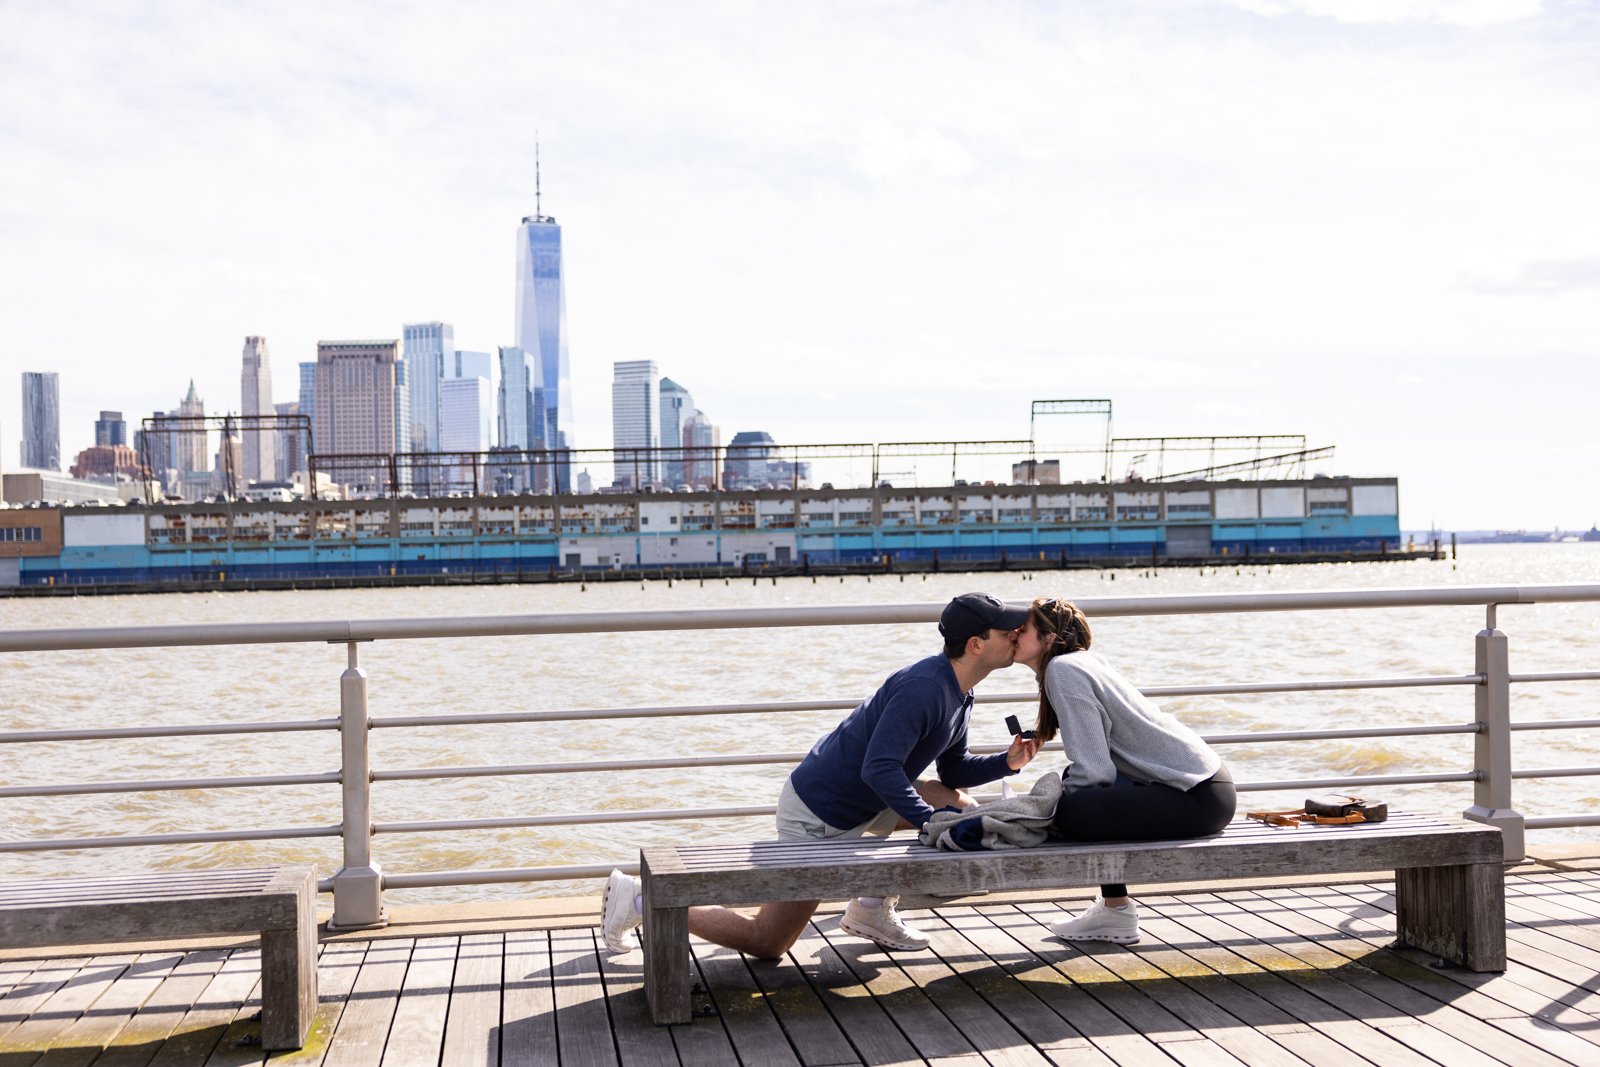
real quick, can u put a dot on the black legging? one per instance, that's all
(1126, 810)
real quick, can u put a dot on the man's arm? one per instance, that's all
(903, 724)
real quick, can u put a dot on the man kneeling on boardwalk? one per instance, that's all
(860, 779)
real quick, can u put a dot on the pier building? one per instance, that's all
(534, 536)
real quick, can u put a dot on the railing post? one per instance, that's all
(1492, 745)
(358, 887)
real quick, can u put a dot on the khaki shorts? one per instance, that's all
(796, 822)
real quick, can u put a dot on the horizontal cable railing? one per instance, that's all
(1491, 727)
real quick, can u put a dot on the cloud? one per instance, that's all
(1546, 278)
(1443, 12)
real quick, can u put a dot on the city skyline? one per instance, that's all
(1365, 222)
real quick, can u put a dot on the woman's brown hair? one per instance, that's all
(1062, 628)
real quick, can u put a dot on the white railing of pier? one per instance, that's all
(359, 884)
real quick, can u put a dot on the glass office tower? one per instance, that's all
(41, 420)
(429, 352)
(541, 329)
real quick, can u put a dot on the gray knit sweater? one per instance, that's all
(1107, 726)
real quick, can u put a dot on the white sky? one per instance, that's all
(1373, 221)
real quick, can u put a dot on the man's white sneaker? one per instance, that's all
(1100, 923)
(617, 917)
(882, 925)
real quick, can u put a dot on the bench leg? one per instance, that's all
(1457, 913)
(289, 980)
(666, 963)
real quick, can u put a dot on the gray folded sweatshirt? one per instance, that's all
(1021, 821)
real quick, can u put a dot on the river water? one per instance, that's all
(284, 682)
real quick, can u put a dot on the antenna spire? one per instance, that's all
(538, 211)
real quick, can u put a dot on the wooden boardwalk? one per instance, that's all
(1242, 976)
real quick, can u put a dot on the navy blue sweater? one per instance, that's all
(871, 759)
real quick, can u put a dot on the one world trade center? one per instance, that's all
(541, 334)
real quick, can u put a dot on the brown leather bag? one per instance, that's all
(1343, 805)
(1332, 809)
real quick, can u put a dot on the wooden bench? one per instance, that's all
(276, 902)
(1449, 879)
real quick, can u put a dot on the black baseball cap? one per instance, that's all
(974, 614)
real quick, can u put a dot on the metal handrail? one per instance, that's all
(364, 630)
(358, 886)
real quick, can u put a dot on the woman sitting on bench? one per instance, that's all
(1136, 773)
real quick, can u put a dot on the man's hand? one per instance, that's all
(1022, 751)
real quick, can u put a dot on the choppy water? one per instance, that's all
(263, 683)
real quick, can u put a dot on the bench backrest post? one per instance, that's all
(1491, 799)
(358, 887)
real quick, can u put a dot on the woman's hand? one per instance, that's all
(1022, 751)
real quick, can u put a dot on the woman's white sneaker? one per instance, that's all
(882, 925)
(617, 916)
(1100, 923)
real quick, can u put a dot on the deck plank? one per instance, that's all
(752, 1027)
(1040, 974)
(640, 1043)
(702, 1039)
(1501, 1002)
(583, 1025)
(1350, 931)
(1209, 971)
(159, 1016)
(101, 1026)
(528, 1005)
(416, 1034)
(240, 1044)
(931, 1035)
(199, 1031)
(813, 1032)
(1434, 1029)
(472, 1023)
(1271, 974)
(987, 1029)
(1087, 964)
(57, 1005)
(1531, 961)
(362, 1034)
(1001, 970)
(869, 1030)
(1146, 967)
(338, 967)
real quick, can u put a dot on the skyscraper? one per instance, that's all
(521, 407)
(635, 422)
(255, 382)
(41, 420)
(157, 448)
(429, 352)
(191, 441)
(700, 441)
(677, 408)
(466, 419)
(472, 364)
(541, 323)
(357, 399)
(291, 442)
(110, 429)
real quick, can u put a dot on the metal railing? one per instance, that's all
(359, 884)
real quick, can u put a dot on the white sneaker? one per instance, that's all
(1100, 923)
(617, 917)
(882, 925)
